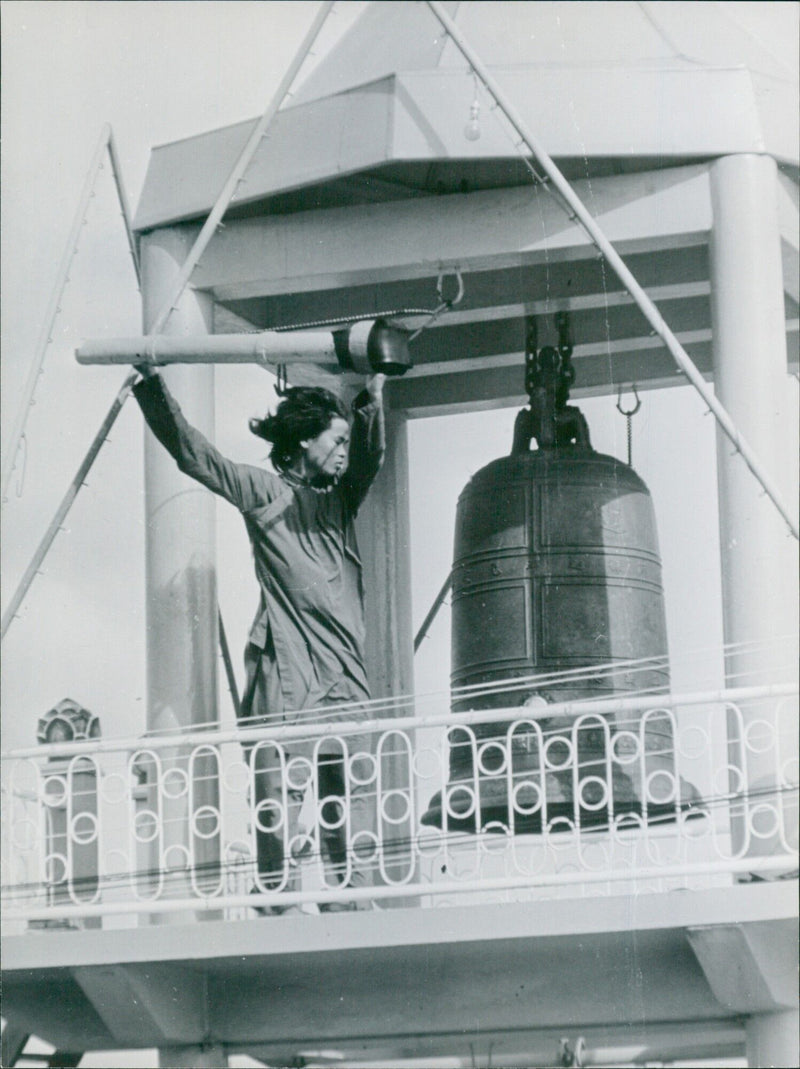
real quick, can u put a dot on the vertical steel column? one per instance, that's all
(180, 569)
(205, 1056)
(772, 1039)
(759, 563)
(384, 536)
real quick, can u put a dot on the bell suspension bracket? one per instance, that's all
(549, 375)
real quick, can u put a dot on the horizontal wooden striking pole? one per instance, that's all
(367, 346)
(267, 347)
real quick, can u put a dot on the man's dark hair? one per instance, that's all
(304, 412)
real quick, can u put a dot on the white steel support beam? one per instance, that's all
(544, 284)
(759, 561)
(195, 1056)
(384, 534)
(133, 1000)
(750, 968)
(180, 556)
(771, 1040)
(417, 980)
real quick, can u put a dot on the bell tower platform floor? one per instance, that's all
(667, 975)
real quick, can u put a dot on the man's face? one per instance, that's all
(327, 453)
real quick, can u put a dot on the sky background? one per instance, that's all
(158, 72)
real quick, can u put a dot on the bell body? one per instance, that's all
(556, 570)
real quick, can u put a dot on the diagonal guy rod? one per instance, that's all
(195, 253)
(52, 311)
(106, 142)
(122, 196)
(226, 660)
(648, 309)
(438, 601)
(66, 504)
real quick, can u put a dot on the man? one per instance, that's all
(306, 645)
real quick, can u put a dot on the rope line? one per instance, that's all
(394, 704)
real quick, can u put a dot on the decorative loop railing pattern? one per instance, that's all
(591, 799)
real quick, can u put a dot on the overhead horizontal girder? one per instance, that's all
(497, 382)
(403, 240)
(541, 287)
(517, 254)
(596, 327)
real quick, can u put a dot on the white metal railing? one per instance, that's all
(578, 798)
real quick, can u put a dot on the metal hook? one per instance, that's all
(281, 380)
(629, 414)
(635, 409)
(444, 305)
(439, 284)
(569, 1054)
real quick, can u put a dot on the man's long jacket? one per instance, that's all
(304, 547)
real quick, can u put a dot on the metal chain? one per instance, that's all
(629, 413)
(433, 313)
(342, 320)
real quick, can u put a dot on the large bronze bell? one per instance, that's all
(556, 570)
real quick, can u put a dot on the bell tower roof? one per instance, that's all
(609, 88)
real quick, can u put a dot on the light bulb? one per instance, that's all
(472, 131)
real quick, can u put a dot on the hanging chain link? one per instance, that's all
(629, 413)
